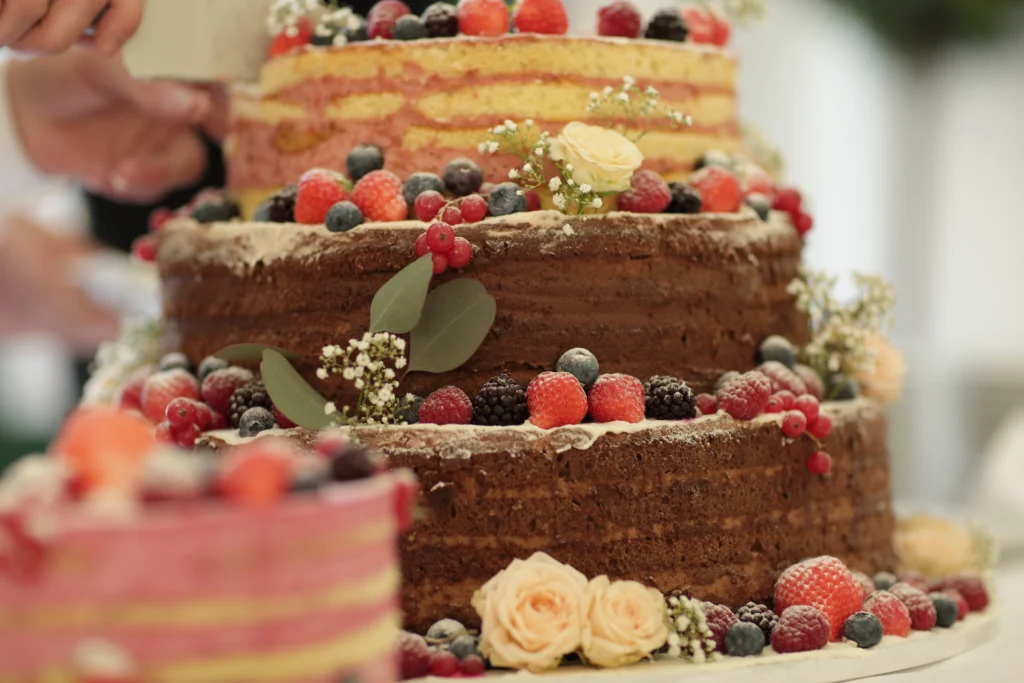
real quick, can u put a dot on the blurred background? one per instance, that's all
(901, 121)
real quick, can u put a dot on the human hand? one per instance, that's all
(80, 114)
(53, 26)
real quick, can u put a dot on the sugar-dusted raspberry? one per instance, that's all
(129, 394)
(867, 586)
(413, 656)
(474, 208)
(541, 16)
(821, 427)
(447, 406)
(801, 628)
(812, 380)
(963, 609)
(379, 196)
(382, 17)
(808, 405)
(788, 200)
(915, 579)
(823, 583)
(220, 385)
(720, 619)
(803, 223)
(794, 424)
(291, 38)
(648, 193)
(440, 263)
(780, 402)
(161, 388)
(698, 20)
(422, 247)
(144, 248)
(782, 377)
(460, 254)
(258, 473)
(719, 190)
(452, 215)
(819, 463)
(616, 397)
(620, 18)
(319, 190)
(894, 614)
(744, 397)
(483, 18)
(971, 587)
(428, 204)
(440, 237)
(922, 611)
(556, 399)
(707, 404)
(721, 29)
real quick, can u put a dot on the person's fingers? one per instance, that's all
(163, 100)
(215, 125)
(63, 26)
(17, 17)
(118, 23)
(147, 177)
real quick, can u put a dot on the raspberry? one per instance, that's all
(648, 193)
(163, 387)
(825, 584)
(483, 18)
(668, 398)
(867, 586)
(461, 253)
(819, 463)
(291, 38)
(745, 397)
(501, 401)
(760, 616)
(894, 614)
(217, 420)
(801, 628)
(474, 208)
(621, 18)
(532, 200)
(780, 402)
(782, 377)
(720, 620)
(281, 419)
(319, 190)
(428, 204)
(721, 29)
(382, 17)
(256, 474)
(803, 223)
(452, 215)
(812, 380)
(129, 395)
(701, 26)
(808, 405)
(422, 248)
(447, 406)
(794, 424)
(379, 196)
(707, 404)
(821, 427)
(144, 248)
(971, 588)
(541, 16)
(413, 656)
(440, 237)
(182, 412)
(617, 397)
(440, 263)
(252, 395)
(556, 399)
(186, 435)
(788, 200)
(963, 609)
(719, 190)
(919, 605)
(443, 664)
(220, 385)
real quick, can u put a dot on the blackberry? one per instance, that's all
(463, 177)
(760, 616)
(441, 20)
(744, 640)
(668, 398)
(505, 199)
(362, 160)
(760, 204)
(353, 462)
(214, 210)
(685, 199)
(409, 27)
(254, 421)
(418, 183)
(501, 401)
(667, 24)
(343, 216)
(251, 395)
(279, 207)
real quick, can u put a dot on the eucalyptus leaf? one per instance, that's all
(251, 353)
(291, 394)
(397, 306)
(455, 320)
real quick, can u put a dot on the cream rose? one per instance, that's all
(623, 622)
(600, 157)
(885, 380)
(530, 613)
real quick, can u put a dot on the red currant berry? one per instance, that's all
(186, 436)
(422, 247)
(780, 401)
(532, 201)
(803, 223)
(474, 208)
(163, 432)
(461, 253)
(452, 215)
(428, 204)
(808, 405)
(181, 412)
(440, 237)
(204, 416)
(794, 424)
(440, 263)
(472, 666)
(217, 421)
(158, 217)
(144, 248)
(821, 427)
(443, 664)
(788, 200)
(819, 463)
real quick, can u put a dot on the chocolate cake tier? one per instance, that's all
(689, 295)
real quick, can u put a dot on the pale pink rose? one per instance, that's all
(623, 622)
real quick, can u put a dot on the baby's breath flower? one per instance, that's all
(585, 188)
(597, 202)
(321, 373)
(330, 409)
(367, 364)
(554, 183)
(400, 362)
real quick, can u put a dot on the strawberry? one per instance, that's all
(823, 583)
(379, 196)
(129, 395)
(556, 399)
(894, 614)
(621, 18)
(718, 188)
(319, 190)
(721, 30)
(483, 17)
(219, 385)
(801, 629)
(541, 16)
(163, 387)
(700, 23)
(616, 397)
(291, 38)
(382, 17)
(256, 474)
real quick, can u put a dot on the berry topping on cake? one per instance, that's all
(780, 402)
(472, 666)
(362, 160)
(745, 396)
(319, 190)
(186, 435)
(161, 388)
(863, 628)
(443, 664)
(383, 16)
(256, 474)
(352, 462)
(715, 157)
(779, 349)
(667, 24)
(794, 424)
(413, 656)
(812, 380)
(759, 204)
(428, 205)
(808, 405)
(821, 427)
(801, 628)
(419, 183)
(441, 20)
(183, 411)
(803, 223)
(823, 583)
(129, 394)
(946, 610)
(208, 365)
(541, 16)
(719, 190)
(447, 406)
(215, 209)
(220, 385)
(144, 248)
(251, 395)
(720, 619)
(819, 463)
(254, 421)
(474, 208)
(379, 196)
(556, 399)
(506, 199)
(581, 364)
(293, 37)
(440, 262)
(788, 200)
(698, 20)
(648, 193)
(483, 18)
(884, 580)
(281, 419)
(440, 237)
(782, 378)
(620, 18)
(465, 646)
(463, 177)
(963, 609)
(891, 611)
(919, 605)
(744, 640)
(408, 411)
(760, 616)
(616, 397)
(501, 401)
(343, 216)
(278, 207)
(867, 586)
(451, 215)
(669, 398)
(685, 199)
(722, 30)
(707, 404)
(460, 254)
(972, 588)
(409, 27)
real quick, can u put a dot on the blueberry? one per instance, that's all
(463, 177)
(418, 183)
(760, 204)
(358, 33)
(343, 216)
(441, 20)
(884, 580)
(713, 158)
(409, 27)
(685, 199)
(409, 410)
(505, 199)
(325, 35)
(946, 611)
(208, 365)
(353, 462)
(254, 421)
(215, 210)
(175, 360)
(363, 159)
(263, 212)
(842, 388)
(865, 629)
(445, 631)
(744, 639)
(777, 348)
(305, 482)
(726, 378)
(581, 364)
(464, 646)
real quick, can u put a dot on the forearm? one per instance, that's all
(18, 174)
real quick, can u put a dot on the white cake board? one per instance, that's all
(837, 662)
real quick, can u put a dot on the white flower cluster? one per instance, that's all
(370, 364)
(283, 15)
(335, 23)
(689, 635)
(640, 107)
(138, 345)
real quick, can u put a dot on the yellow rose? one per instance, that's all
(600, 157)
(623, 622)
(530, 613)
